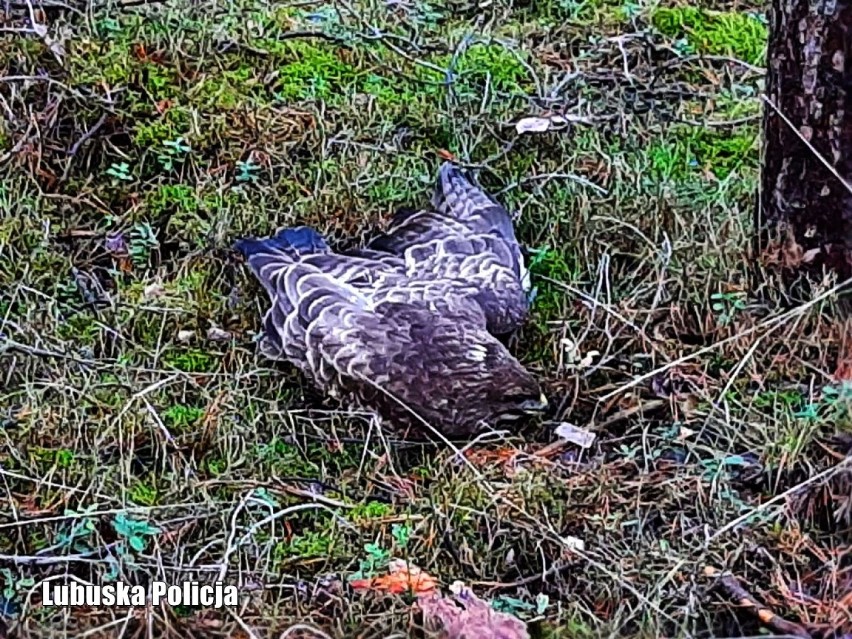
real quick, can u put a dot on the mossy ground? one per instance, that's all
(138, 143)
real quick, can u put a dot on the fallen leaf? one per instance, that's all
(574, 434)
(843, 371)
(153, 291)
(589, 359)
(403, 576)
(490, 457)
(115, 243)
(510, 557)
(574, 543)
(539, 124)
(57, 44)
(216, 334)
(125, 265)
(685, 433)
(532, 125)
(139, 51)
(811, 254)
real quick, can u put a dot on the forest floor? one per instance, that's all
(143, 437)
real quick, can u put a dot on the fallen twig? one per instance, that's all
(768, 618)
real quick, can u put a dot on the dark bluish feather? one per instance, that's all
(268, 256)
(299, 239)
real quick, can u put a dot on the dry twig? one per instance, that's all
(739, 594)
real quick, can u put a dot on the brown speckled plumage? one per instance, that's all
(406, 324)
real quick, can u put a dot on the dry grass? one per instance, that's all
(139, 140)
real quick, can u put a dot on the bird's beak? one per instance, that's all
(535, 405)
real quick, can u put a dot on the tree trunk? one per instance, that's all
(804, 206)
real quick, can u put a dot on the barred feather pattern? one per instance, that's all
(402, 328)
(468, 236)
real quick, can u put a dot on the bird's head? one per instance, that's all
(490, 386)
(521, 395)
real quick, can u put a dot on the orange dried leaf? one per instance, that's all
(446, 155)
(487, 457)
(402, 577)
(844, 371)
(125, 265)
(844, 360)
(139, 51)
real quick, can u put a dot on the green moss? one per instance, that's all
(143, 494)
(370, 510)
(37, 539)
(397, 187)
(117, 27)
(693, 150)
(79, 328)
(555, 265)
(492, 63)
(108, 392)
(736, 34)
(102, 62)
(388, 93)
(311, 543)
(189, 212)
(167, 198)
(64, 458)
(190, 360)
(152, 133)
(9, 225)
(284, 459)
(553, 12)
(192, 282)
(723, 152)
(230, 89)
(667, 160)
(61, 458)
(161, 82)
(215, 465)
(180, 417)
(311, 71)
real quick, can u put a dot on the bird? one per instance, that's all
(406, 327)
(468, 235)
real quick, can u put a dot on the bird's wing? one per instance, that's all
(394, 345)
(269, 257)
(332, 326)
(458, 198)
(467, 236)
(347, 341)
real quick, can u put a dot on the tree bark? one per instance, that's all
(805, 207)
